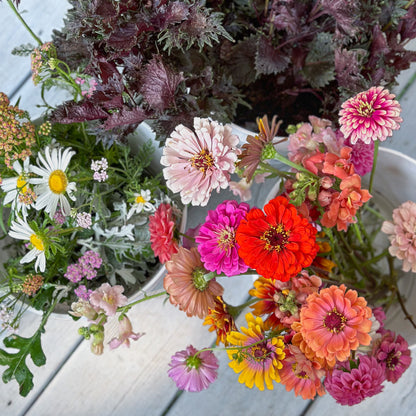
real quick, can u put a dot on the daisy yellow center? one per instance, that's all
(275, 238)
(21, 184)
(140, 200)
(37, 242)
(365, 109)
(58, 182)
(334, 321)
(202, 161)
(226, 238)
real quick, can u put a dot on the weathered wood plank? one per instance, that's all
(42, 17)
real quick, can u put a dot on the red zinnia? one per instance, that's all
(278, 243)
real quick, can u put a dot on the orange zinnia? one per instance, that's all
(278, 243)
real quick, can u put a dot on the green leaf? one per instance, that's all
(16, 361)
(319, 65)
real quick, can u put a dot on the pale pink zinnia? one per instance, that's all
(201, 161)
(192, 370)
(370, 115)
(161, 228)
(402, 234)
(108, 298)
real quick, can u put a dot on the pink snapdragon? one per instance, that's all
(108, 298)
(125, 334)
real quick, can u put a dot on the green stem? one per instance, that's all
(373, 170)
(24, 23)
(294, 165)
(125, 309)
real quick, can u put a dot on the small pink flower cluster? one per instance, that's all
(99, 167)
(87, 86)
(38, 58)
(84, 220)
(86, 266)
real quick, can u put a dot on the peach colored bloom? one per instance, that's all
(187, 286)
(343, 205)
(301, 375)
(402, 234)
(339, 166)
(370, 115)
(201, 161)
(334, 322)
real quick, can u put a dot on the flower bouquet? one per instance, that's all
(81, 208)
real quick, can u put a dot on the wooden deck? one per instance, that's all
(134, 381)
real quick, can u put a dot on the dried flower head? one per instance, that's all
(32, 284)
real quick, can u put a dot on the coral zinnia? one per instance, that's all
(258, 364)
(216, 239)
(278, 243)
(334, 322)
(197, 163)
(186, 284)
(402, 234)
(350, 385)
(192, 370)
(161, 228)
(370, 115)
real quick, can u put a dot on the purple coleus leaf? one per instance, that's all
(159, 84)
(125, 117)
(270, 60)
(72, 112)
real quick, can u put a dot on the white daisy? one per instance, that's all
(53, 184)
(21, 230)
(141, 203)
(17, 188)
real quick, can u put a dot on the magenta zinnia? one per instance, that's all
(370, 115)
(352, 381)
(192, 370)
(259, 363)
(201, 161)
(216, 239)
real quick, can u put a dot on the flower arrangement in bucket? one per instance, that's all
(323, 281)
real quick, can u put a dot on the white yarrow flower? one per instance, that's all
(53, 183)
(21, 230)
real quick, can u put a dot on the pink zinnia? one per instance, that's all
(108, 298)
(161, 228)
(216, 239)
(193, 371)
(362, 156)
(394, 354)
(370, 115)
(197, 163)
(350, 385)
(402, 234)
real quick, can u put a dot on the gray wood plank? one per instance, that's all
(42, 16)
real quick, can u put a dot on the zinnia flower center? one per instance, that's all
(198, 278)
(365, 109)
(21, 184)
(37, 242)
(276, 238)
(226, 238)
(202, 161)
(58, 182)
(301, 374)
(140, 200)
(259, 352)
(393, 360)
(334, 321)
